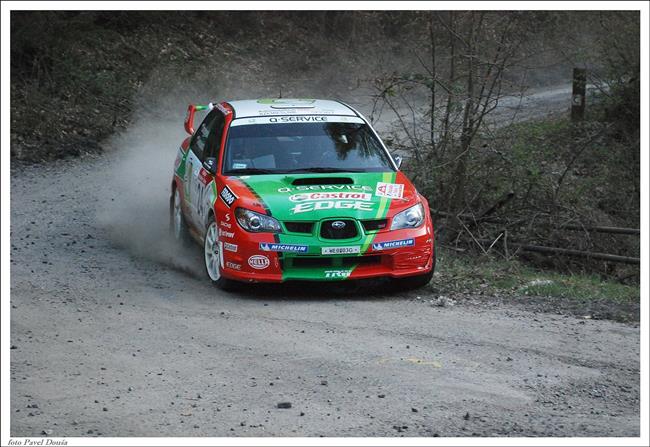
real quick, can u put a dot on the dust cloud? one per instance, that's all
(139, 179)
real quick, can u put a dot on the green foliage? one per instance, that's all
(459, 273)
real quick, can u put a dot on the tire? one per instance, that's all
(212, 257)
(412, 282)
(177, 224)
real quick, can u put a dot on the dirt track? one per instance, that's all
(107, 343)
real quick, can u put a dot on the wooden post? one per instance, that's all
(568, 252)
(578, 99)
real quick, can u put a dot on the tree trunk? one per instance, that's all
(432, 37)
(458, 199)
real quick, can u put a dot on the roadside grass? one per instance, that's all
(486, 275)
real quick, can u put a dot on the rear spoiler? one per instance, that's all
(189, 118)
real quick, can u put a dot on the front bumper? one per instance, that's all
(376, 258)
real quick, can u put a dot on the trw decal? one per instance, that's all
(338, 273)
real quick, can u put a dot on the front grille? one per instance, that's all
(329, 230)
(299, 227)
(312, 262)
(374, 225)
(351, 260)
(319, 261)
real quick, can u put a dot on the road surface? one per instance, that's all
(115, 334)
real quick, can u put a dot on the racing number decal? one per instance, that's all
(196, 182)
(200, 193)
(187, 180)
(206, 198)
(197, 190)
(203, 202)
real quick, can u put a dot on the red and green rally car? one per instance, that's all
(297, 189)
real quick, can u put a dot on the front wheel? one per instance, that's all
(212, 257)
(412, 282)
(415, 282)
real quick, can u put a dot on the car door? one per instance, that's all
(204, 144)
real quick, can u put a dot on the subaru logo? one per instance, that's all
(338, 224)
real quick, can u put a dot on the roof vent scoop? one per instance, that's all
(292, 106)
(288, 103)
(323, 181)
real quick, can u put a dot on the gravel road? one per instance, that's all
(113, 336)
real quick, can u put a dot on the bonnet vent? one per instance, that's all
(323, 181)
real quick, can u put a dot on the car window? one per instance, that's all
(208, 135)
(283, 148)
(214, 137)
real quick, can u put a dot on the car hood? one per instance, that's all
(312, 197)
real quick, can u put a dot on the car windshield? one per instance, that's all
(303, 147)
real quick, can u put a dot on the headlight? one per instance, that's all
(256, 222)
(409, 218)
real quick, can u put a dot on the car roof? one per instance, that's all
(289, 106)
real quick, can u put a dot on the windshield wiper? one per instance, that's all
(246, 171)
(324, 170)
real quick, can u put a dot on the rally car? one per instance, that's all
(297, 189)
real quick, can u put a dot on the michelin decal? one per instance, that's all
(290, 248)
(377, 246)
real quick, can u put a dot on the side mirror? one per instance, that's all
(210, 165)
(398, 160)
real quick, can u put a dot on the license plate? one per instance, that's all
(341, 250)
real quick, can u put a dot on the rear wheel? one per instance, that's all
(212, 257)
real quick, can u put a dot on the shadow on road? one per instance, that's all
(376, 289)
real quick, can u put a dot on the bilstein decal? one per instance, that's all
(227, 196)
(230, 247)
